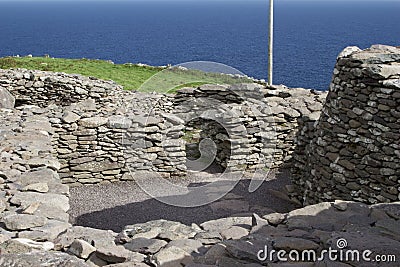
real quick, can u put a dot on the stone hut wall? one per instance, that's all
(97, 143)
(95, 148)
(44, 88)
(261, 122)
(102, 132)
(34, 202)
(354, 151)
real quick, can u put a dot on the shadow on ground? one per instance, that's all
(114, 206)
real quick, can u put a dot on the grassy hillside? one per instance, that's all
(128, 75)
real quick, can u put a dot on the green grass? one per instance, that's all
(130, 76)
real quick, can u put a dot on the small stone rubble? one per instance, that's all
(353, 151)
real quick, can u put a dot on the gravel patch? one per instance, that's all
(112, 206)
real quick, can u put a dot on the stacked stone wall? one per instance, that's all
(44, 88)
(103, 133)
(354, 151)
(260, 123)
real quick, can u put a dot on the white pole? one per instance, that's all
(270, 41)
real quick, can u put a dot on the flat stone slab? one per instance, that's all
(26, 198)
(41, 259)
(23, 221)
(7, 100)
(220, 224)
(145, 246)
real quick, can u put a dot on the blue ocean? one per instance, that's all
(308, 35)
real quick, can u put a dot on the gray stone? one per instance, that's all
(220, 224)
(231, 262)
(258, 221)
(26, 198)
(274, 218)
(96, 166)
(389, 227)
(95, 261)
(93, 122)
(118, 254)
(41, 259)
(173, 119)
(7, 100)
(193, 247)
(163, 229)
(48, 232)
(245, 250)
(51, 212)
(23, 221)
(119, 122)
(3, 205)
(234, 232)
(340, 205)
(209, 237)
(70, 117)
(23, 245)
(97, 238)
(387, 71)
(39, 176)
(359, 240)
(37, 187)
(212, 256)
(81, 249)
(172, 257)
(145, 246)
(4, 238)
(348, 51)
(313, 210)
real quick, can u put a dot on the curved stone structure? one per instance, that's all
(353, 151)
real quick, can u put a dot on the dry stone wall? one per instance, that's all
(44, 88)
(257, 125)
(353, 151)
(102, 132)
(34, 202)
(95, 147)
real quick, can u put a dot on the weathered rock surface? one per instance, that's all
(351, 153)
(50, 259)
(7, 100)
(81, 249)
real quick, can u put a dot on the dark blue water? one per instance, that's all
(308, 35)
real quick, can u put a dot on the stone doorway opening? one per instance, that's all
(208, 148)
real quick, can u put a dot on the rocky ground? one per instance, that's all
(228, 242)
